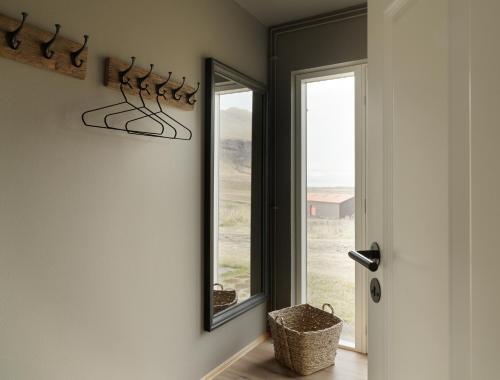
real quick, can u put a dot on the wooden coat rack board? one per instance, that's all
(30, 50)
(114, 66)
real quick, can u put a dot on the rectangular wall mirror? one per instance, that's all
(236, 194)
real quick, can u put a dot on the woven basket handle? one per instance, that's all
(330, 306)
(217, 284)
(280, 318)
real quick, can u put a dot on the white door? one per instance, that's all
(408, 188)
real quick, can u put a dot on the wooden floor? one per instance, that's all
(260, 364)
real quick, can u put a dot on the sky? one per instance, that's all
(238, 100)
(330, 133)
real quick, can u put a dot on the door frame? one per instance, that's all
(298, 191)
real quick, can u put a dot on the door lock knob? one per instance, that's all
(375, 290)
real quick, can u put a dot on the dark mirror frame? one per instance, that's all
(259, 234)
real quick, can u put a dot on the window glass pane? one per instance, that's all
(330, 105)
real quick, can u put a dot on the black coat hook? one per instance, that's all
(189, 96)
(77, 62)
(140, 80)
(47, 52)
(159, 87)
(175, 90)
(12, 40)
(122, 74)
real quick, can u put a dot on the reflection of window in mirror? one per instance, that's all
(233, 148)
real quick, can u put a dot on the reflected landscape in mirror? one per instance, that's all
(233, 135)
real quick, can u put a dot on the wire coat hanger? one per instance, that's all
(141, 87)
(124, 81)
(144, 88)
(161, 93)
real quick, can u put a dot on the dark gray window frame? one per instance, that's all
(281, 161)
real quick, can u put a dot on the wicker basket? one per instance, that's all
(223, 298)
(305, 337)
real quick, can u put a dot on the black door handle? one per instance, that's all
(369, 259)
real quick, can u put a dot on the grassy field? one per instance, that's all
(330, 273)
(235, 216)
(234, 247)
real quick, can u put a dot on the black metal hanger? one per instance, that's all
(124, 81)
(161, 93)
(159, 118)
(141, 108)
(131, 109)
(144, 88)
(190, 134)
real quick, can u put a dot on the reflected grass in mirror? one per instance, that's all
(233, 104)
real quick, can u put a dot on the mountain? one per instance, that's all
(236, 124)
(235, 141)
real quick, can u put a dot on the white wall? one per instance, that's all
(101, 232)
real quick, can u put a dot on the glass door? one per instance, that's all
(330, 195)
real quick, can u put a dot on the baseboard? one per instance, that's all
(221, 367)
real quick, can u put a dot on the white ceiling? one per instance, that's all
(274, 12)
